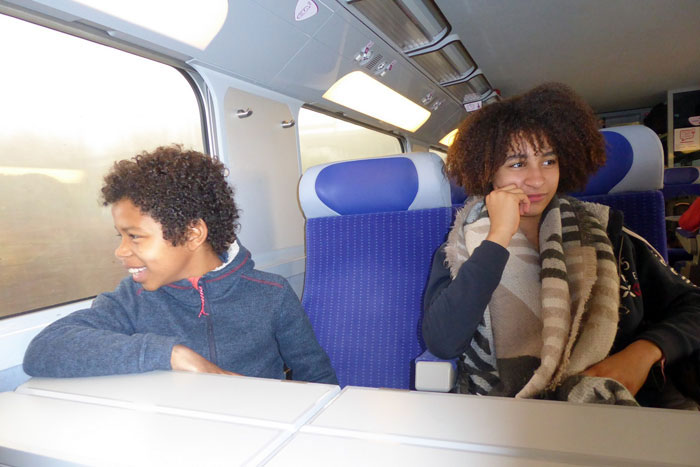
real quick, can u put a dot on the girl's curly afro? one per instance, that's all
(176, 188)
(548, 114)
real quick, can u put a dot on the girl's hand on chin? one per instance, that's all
(505, 205)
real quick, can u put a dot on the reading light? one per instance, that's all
(193, 23)
(449, 138)
(364, 94)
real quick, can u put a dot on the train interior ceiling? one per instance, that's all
(262, 72)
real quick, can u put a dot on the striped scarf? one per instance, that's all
(555, 311)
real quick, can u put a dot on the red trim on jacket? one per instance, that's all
(262, 281)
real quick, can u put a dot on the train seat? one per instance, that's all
(631, 182)
(681, 182)
(372, 227)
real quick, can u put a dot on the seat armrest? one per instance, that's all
(435, 374)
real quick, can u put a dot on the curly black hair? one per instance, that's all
(552, 114)
(176, 188)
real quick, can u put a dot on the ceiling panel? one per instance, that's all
(618, 54)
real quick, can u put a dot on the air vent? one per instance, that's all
(373, 62)
(411, 24)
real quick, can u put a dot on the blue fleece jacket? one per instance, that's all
(243, 320)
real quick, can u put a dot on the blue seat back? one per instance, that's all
(631, 182)
(681, 182)
(372, 228)
(459, 196)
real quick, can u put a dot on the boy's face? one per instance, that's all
(151, 260)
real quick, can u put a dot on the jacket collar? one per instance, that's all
(237, 261)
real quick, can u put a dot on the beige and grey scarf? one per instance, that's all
(554, 313)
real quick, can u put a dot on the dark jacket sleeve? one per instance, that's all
(671, 305)
(452, 310)
(298, 345)
(97, 341)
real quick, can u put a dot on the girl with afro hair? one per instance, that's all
(541, 295)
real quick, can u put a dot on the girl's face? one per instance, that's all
(533, 170)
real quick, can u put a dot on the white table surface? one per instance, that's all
(557, 431)
(256, 401)
(172, 418)
(314, 450)
(64, 431)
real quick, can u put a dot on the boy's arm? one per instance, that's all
(297, 342)
(185, 359)
(97, 341)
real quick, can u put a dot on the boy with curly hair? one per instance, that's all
(193, 300)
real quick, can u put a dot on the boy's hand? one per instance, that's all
(505, 206)
(185, 359)
(630, 366)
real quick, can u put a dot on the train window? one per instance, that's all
(324, 139)
(70, 108)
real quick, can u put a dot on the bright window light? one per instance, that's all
(60, 175)
(193, 23)
(449, 138)
(359, 92)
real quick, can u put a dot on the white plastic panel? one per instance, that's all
(435, 376)
(236, 48)
(330, 55)
(258, 401)
(588, 434)
(299, 13)
(262, 157)
(36, 428)
(312, 450)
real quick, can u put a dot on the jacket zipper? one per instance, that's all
(210, 326)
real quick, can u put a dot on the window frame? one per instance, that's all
(403, 143)
(343, 117)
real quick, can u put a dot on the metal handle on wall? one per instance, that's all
(288, 123)
(240, 113)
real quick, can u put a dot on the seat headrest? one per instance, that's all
(635, 162)
(682, 176)
(393, 183)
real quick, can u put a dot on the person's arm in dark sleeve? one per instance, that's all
(671, 306)
(94, 342)
(452, 309)
(298, 345)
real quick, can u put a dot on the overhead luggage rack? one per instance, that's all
(422, 33)
(410, 24)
